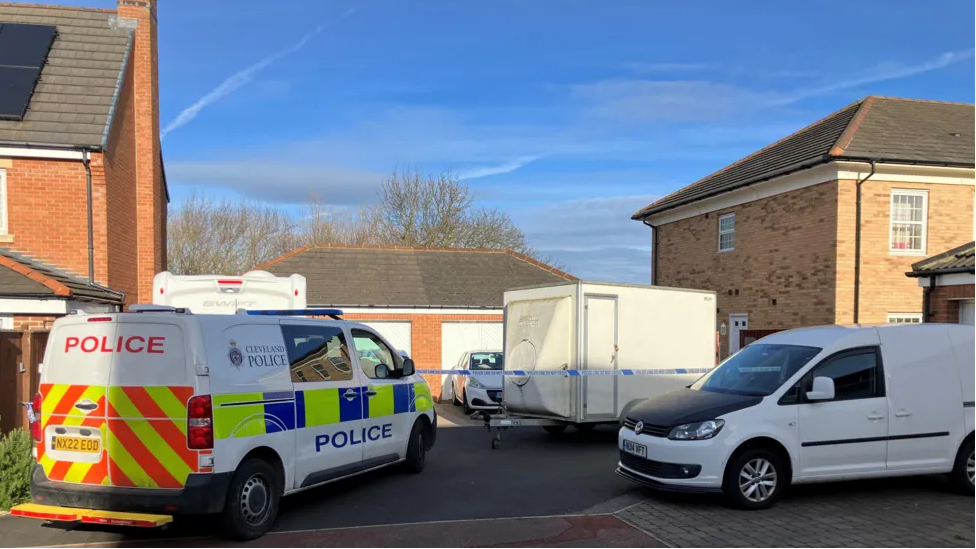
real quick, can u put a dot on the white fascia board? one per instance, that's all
(34, 306)
(50, 154)
(953, 279)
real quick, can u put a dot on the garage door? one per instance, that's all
(459, 337)
(396, 332)
(966, 312)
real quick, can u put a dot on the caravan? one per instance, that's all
(221, 294)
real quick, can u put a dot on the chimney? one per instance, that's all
(151, 198)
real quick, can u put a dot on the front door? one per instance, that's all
(386, 423)
(600, 355)
(848, 434)
(737, 323)
(328, 402)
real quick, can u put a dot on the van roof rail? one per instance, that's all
(332, 313)
(148, 308)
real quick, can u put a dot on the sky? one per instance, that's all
(569, 115)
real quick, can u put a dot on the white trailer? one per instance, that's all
(221, 294)
(592, 350)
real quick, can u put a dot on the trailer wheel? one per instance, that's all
(555, 429)
(585, 427)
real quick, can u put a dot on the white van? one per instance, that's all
(147, 414)
(224, 294)
(813, 405)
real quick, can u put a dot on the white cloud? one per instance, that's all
(485, 171)
(878, 73)
(232, 84)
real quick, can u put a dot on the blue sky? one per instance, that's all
(568, 115)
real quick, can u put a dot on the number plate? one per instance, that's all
(632, 447)
(76, 444)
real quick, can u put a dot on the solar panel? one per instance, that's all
(25, 45)
(16, 86)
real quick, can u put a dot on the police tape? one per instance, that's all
(569, 373)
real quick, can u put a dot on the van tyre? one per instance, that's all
(755, 479)
(252, 500)
(416, 450)
(961, 476)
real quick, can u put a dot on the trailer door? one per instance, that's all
(599, 355)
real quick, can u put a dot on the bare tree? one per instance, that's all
(433, 211)
(210, 236)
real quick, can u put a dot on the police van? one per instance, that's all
(157, 412)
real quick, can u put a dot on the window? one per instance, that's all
(487, 361)
(757, 370)
(317, 353)
(856, 374)
(3, 202)
(908, 220)
(726, 232)
(372, 352)
(904, 318)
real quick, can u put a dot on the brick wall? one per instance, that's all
(150, 192)
(945, 302)
(884, 286)
(425, 338)
(48, 214)
(120, 178)
(33, 323)
(784, 251)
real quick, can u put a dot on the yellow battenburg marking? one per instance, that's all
(380, 404)
(239, 421)
(129, 466)
(167, 402)
(161, 450)
(422, 400)
(321, 407)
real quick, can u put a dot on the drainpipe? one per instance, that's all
(86, 160)
(857, 245)
(653, 252)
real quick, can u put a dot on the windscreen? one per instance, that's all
(486, 361)
(757, 370)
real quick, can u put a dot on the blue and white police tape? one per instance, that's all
(569, 373)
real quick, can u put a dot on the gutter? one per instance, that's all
(653, 252)
(927, 299)
(86, 161)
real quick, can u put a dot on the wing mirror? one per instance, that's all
(408, 367)
(382, 371)
(823, 389)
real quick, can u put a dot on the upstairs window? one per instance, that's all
(908, 221)
(726, 232)
(904, 318)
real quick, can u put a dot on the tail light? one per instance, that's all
(35, 417)
(199, 423)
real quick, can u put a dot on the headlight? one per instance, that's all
(474, 383)
(699, 430)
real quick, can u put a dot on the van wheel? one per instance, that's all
(416, 450)
(961, 476)
(252, 501)
(755, 479)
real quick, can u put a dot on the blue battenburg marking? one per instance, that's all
(351, 410)
(402, 398)
(300, 408)
(282, 416)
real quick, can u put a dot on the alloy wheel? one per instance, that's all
(757, 480)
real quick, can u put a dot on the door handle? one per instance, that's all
(350, 394)
(370, 393)
(902, 413)
(875, 417)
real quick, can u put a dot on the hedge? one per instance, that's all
(16, 465)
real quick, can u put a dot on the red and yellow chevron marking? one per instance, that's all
(143, 435)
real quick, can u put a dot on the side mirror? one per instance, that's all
(408, 367)
(823, 389)
(382, 371)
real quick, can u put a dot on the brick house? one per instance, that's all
(820, 227)
(432, 303)
(947, 282)
(82, 190)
